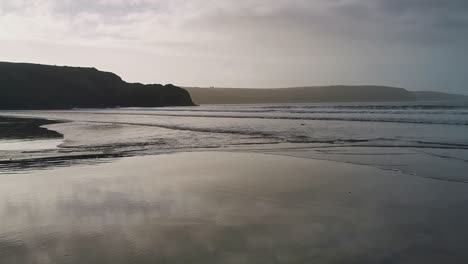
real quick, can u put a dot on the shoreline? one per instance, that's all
(90, 138)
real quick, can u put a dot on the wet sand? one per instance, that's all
(219, 207)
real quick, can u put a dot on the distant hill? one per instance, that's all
(339, 93)
(439, 96)
(34, 86)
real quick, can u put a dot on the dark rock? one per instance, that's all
(34, 86)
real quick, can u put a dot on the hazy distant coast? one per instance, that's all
(439, 96)
(314, 94)
(33, 86)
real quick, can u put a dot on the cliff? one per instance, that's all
(314, 94)
(34, 86)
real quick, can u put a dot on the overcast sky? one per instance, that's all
(416, 44)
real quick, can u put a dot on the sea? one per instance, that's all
(427, 139)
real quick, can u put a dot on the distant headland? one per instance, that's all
(34, 86)
(314, 94)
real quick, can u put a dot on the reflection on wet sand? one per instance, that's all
(230, 208)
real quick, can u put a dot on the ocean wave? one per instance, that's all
(306, 111)
(451, 106)
(257, 136)
(415, 120)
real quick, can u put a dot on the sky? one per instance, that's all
(415, 44)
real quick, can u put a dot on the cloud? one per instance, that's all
(345, 35)
(151, 21)
(430, 20)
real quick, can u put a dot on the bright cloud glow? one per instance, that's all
(418, 44)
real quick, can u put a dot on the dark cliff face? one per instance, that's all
(314, 94)
(32, 86)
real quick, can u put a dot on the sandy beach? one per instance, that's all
(221, 207)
